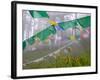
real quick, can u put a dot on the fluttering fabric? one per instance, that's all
(84, 22)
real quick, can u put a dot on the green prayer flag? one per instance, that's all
(24, 44)
(39, 14)
(52, 29)
(43, 34)
(68, 24)
(85, 21)
(31, 40)
(46, 33)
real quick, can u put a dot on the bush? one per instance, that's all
(62, 60)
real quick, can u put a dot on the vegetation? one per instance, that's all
(62, 60)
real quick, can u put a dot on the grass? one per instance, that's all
(62, 60)
(30, 55)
